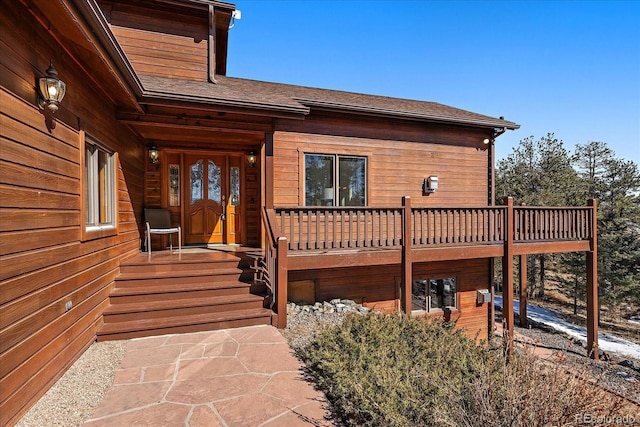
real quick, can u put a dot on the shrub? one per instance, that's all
(393, 370)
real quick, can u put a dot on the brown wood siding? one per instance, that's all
(44, 263)
(378, 287)
(161, 43)
(395, 167)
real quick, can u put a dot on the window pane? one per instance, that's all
(352, 181)
(104, 198)
(319, 186)
(215, 187)
(88, 188)
(419, 295)
(235, 186)
(196, 181)
(174, 185)
(442, 293)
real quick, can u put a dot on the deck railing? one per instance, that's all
(330, 228)
(543, 223)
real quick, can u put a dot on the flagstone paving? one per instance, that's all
(234, 377)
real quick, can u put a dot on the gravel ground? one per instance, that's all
(73, 397)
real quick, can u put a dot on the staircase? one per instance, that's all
(192, 292)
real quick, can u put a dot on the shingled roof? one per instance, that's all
(284, 98)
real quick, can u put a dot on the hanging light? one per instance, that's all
(51, 89)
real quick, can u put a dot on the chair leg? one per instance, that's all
(179, 241)
(148, 242)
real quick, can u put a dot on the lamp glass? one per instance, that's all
(251, 158)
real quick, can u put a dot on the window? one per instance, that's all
(322, 171)
(100, 187)
(174, 185)
(434, 294)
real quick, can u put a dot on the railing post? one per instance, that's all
(281, 279)
(523, 285)
(407, 265)
(592, 285)
(507, 276)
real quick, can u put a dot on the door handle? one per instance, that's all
(224, 209)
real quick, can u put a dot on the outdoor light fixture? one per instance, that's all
(51, 89)
(251, 158)
(486, 141)
(430, 184)
(154, 153)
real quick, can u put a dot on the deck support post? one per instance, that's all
(523, 291)
(592, 285)
(282, 282)
(507, 276)
(268, 170)
(407, 264)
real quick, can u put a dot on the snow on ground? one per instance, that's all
(606, 342)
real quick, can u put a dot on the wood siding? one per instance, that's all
(398, 161)
(44, 263)
(379, 286)
(161, 42)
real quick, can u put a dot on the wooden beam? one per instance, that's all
(281, 287)
(523, 291)
(212, 44)
(457, 252)
(530, 248)
(312, 260)
(407, 263)
(507, 277)
(267, 155)
(592, 286)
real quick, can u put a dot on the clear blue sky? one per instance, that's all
(572, 67)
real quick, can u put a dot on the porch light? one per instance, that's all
(486, 141)
(251, 158)
(430, 184)
(51, 89)
(154, 153)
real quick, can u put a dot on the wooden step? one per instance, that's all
(184, 324)
(117, 312)
(159, 291)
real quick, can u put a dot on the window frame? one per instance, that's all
(336, 177)
(89, 179)
(427, 308)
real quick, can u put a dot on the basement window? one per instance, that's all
(434, 295)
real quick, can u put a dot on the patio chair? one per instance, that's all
(158, 221)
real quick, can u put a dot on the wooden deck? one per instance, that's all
(171, 292)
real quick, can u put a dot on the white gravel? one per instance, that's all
(74, 396)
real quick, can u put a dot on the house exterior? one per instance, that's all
(386, 201)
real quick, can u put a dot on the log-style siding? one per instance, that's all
(461, 165)
(379, 287)
(161, 42)
(44, 261)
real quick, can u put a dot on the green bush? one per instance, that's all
(393, 370)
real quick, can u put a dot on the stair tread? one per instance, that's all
(175, 321)
(147, 275)
(162, 289)
(116, 308)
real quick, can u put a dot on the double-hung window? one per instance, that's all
(335, 180)
(100, 187)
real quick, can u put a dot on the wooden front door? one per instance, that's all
(212, 211)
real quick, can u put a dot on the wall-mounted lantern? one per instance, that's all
(486, 141)
(251, 158)
(430, 184)
(154, 154)
(51, 89)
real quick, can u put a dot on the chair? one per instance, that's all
(158, 221)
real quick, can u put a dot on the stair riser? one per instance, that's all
(186, 329)
(167, 296)
(162, 268)
(184, 311)
(182, 281)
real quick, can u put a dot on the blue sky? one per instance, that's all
(568, 67)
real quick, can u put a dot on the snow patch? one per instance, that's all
(606, 342)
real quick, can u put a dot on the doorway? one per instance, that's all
(213, 211)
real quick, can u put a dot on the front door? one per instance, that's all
(212, 199)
